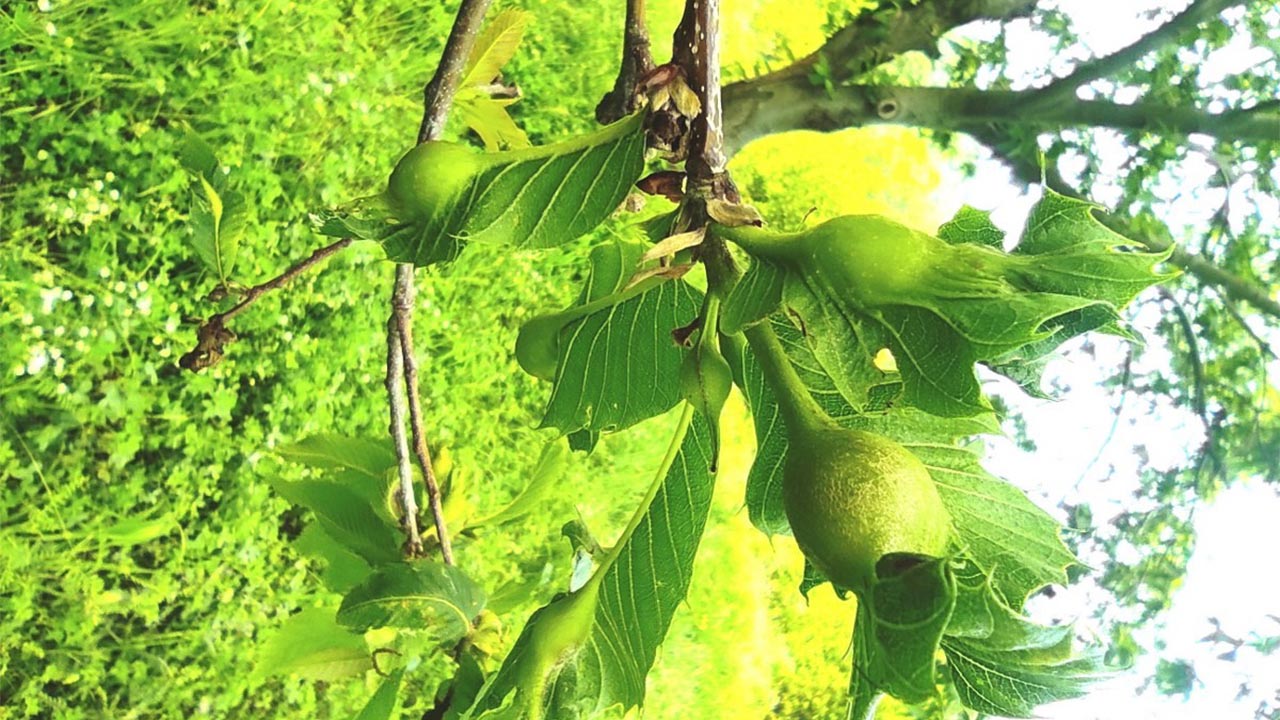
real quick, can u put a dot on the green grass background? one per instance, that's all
(143, 556)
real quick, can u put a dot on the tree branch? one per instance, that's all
(755, 110)
(780, 100)
(695, 48)
(1063, 90)
(876, 37)
(437, 97)
(636, 63)
(404, 467)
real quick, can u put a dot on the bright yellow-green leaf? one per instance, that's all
(495, 47)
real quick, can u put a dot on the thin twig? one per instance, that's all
(437, 99)
(213, 334)
(1199, 401)
(282, 279)
(408, 500)
(636, 63)
(1064, 89)
(1263, 346)
(1126, 385)
(410, 364)
(437, 96)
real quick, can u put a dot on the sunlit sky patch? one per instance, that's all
(1086, 454)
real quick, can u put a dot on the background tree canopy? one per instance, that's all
(149, 566)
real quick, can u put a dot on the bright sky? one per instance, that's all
(1081, 456)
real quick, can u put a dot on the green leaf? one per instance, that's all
(362, 455)
(494, 47)
(217, 221)
(936, 364)
(343, 569)
(366, 219)
(1005, 533)
(601, 647)
(489, 119)
(136, 531)
(468, 681)
(996, 682)
(424, 596)
(973, 226)
(550, 468)
(1074, 254)
(536, 197)
(764, 480)
(756, 295)
(611, 266)
(618, 364)
(312, 645)
(946, 304)
(900, 624)
(841, 345)
(583, 441)
(382, 706)
(197, 156)
(348, 516)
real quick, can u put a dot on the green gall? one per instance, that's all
(853, 497)
(430, 177)
(538, 345)
(872, 261)
(705, 382)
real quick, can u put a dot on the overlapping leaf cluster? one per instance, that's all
(1069, 274)
(532, 197)
(970, 607)
(355, 538)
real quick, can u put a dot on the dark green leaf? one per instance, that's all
(424, 596)
(217, 221)
(583, 441)
(197, 156)
(347, 516)
(756, 296)
(638, 593)
(312, 645)
(468, 681)
(343, 569)
(619, 365)
(900, 624)
(382, 706)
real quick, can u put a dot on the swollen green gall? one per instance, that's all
(853, 497)
(538, 345)
(430, 177)
(873, 261)
(705, 382)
